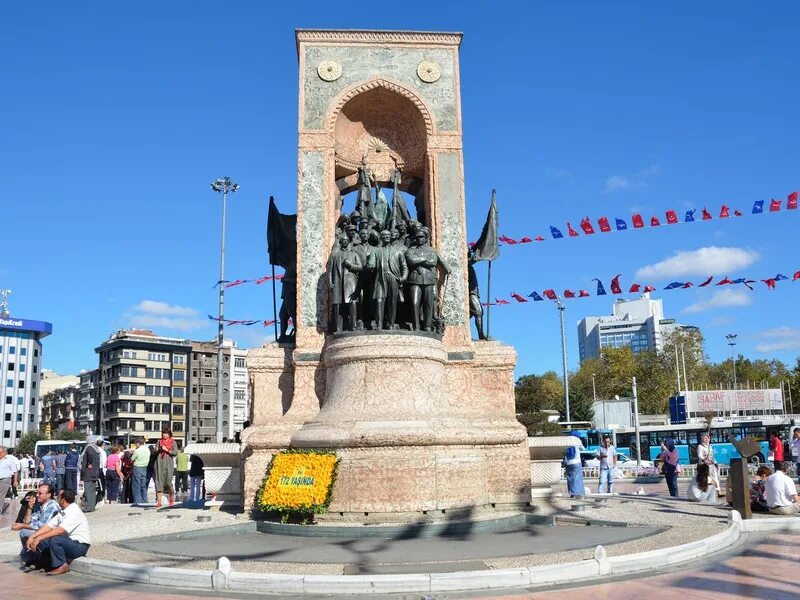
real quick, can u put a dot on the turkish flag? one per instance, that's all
(605, 227)
(725, 281)
(634, 288)
(796, 276)
(649, 288)
(586, 225)
(615, 289)
(507, 240)
(538, 238)
(672, 217)
(518, 298)
(569, 294)
(525, 240)
(725, 212)
(501, 301)
(736, 213)
(637, 221)
(572, 232)
(706, 215)
(688, 284)
(551, 294)
(774, 206)
(791, 201)
(583, 294)
(770, 283)
(654, 222)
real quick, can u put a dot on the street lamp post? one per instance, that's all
(731, 337)
(560, 306)
(221, 186)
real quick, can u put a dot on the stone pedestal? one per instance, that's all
(547, 453)
(417, 430)
(287, 390)
(222, 470)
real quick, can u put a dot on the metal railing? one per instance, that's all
(627, 471)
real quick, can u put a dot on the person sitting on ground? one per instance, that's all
(758, 490)
(37, 509)
(64, 538)
(29, 497)
(702, 488)
(781, 492)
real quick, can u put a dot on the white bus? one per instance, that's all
(43, 446)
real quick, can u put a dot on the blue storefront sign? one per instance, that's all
(13, 324)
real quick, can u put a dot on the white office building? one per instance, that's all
(20, 375)
(639, 324)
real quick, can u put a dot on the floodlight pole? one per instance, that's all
(221, 186)
(561, 308)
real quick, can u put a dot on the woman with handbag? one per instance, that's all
(669, 454)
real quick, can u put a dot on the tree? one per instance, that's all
(654, 382)
(533, 393)
(617, 368)
(27, 442)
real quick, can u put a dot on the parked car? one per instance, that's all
(589, 459)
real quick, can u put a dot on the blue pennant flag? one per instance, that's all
(689, 216)
(536, 297)
(674, 284)
(601, 291)
(621, 224)
(758, 207)
(780, 277)
(555, 233)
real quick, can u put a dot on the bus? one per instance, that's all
(687, 437)
(42, 446)
(593, 438)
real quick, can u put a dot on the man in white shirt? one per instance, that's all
(781, 492)
(608, 462)
(8, 471)
(65, 537)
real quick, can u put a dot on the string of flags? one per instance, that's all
(635, 288)
(226, 283)
(245, 321)
(637, 221)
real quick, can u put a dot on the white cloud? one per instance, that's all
(720, 321)
(154, 307)
(152, 314)
(628, 182)
(720, 299)
(777, 346)
(780, 332)
(711, 260)
(617, 182)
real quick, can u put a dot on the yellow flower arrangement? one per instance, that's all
(299, 482)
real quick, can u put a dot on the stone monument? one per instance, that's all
(421, 417)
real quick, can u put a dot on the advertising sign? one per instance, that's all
(733, 400)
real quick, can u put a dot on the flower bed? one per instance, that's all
(298, 482)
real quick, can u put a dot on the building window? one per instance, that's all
(33, 401)
(148, 390)
(8, 417)
(206, 373)
(239, 362)
(178, 392)
(10, 366)
(179, 375)
(22, 368)
(10, 383)
(12, 349)
(238, 394)
(179, 359)
(206, 407)
(177, 426)
(20, 400)
(148, 407)
(9, 399)
(177, 409)
(22, 384)
(35, 352)
(19, 418)
(23, 351)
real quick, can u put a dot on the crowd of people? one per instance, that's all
(770, 491)
(52, 526)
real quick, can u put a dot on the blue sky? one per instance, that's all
(116, 118)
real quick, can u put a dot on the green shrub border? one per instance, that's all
(303, 513)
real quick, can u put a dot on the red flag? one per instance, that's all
(551, 294)
(268, 323)
(572, 232)
(278, 278)
(688, 284)
(706, 282)
(672, 217)
(774, 206)
(263, 279)
(649, 288)
(725, 281)
(634, 288)
(615, 289)
(605, 227)
(237, 282)
(583, 294)
(706, 215)
(586, 225)
(637, 221)
(538, 238)
(518, 298)
(770, 283)
(654, 222)
(569, 294)
(525, 240)
(796, 276)
(501, 301)
(736, 213)
(791, 201)
(507, 240)
(725, 212)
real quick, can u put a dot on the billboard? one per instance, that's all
(14, 324)
(733, 400)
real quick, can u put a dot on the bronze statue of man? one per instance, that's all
(387, 266)
(288, 308)
(422, 262)
(475, 306)
(343, 268)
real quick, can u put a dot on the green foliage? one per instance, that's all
(539, 392)
(27, 442)
(537, 424)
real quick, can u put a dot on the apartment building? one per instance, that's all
(60, 409)
(89, 402)
(142, 380)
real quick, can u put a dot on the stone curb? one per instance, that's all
(223, 578)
